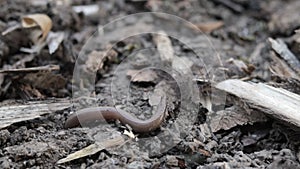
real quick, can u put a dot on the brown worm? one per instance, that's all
(89, 115)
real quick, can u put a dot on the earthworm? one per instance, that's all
(92, 114)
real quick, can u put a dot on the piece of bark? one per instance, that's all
(277, 102)
(16, 112)
(282, 50)
(280, 68)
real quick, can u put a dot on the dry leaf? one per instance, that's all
(233, 116)
(210, 26)
(27, 92)
(44, 80)
(54, 39)
(164, 46)
(95, 61)
(146, 75)
(41, 20)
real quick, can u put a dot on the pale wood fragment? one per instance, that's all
(16, 112)
(93, 148)
(277, 102)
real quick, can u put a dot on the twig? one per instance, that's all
(32, 69)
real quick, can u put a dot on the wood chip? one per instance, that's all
(277, 102)
(93, 148)
(16, 112)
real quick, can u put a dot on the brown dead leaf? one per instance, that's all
(146, 75)
(35, 78)
(210, 26)
(27, 92)
(41, 20)
(44, 80)
(233, 116)
(95, 61)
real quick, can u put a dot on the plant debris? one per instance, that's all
(229, 70)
